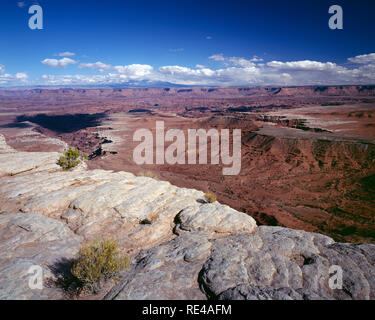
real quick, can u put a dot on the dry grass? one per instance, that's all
(147, 174)
(210, 197)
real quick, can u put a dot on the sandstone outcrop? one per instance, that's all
(28, 240)
(273, 263)
(181, 247)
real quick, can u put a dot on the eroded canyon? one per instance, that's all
(308, 153)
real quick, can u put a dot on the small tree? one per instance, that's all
(96, 261)
(69, 159)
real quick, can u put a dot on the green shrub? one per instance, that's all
(97, 261)
(359, 115)
(210, 197)
(69, 159)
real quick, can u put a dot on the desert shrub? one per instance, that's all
(321, 164)
(368, 184)
(345, 230)
(210, 197)
(147, 174)
(69, 159)
(97, 261)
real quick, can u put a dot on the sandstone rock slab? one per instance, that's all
(31, 239)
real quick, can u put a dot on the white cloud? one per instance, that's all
(186, 76)
(208, 38)
(2, 68)
(5, 78)
(235, 61)
(9, 79)
(305, 65)
(234, 71)
(206, 76)
(66, 54)
(365, 58)
(241, 62)
(97, 65)
(217, 57)
(177, 71)
(256, 59)
(242, 71)
(237, 76)
(62, 63)
(134, 71)
(21, 76)
(74, 79)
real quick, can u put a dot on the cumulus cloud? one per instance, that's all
(97, 79)
(66, 54)
(6, 78)
(241, 62)
(184, 75)
(234, 71)
(74, 79)
(21, 76)
(256, 59)
(177, 70)
(217, 57)
(305, 65)
(9, 79)
(242, 71)
(58, 63)
(206, 76)
(134, 71)
(236, 61)
(100, 66)
(364, 58)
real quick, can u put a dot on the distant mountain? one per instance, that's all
(130, 84)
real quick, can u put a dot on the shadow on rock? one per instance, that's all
(64, 279)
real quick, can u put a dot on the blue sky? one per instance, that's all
(187, 42)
